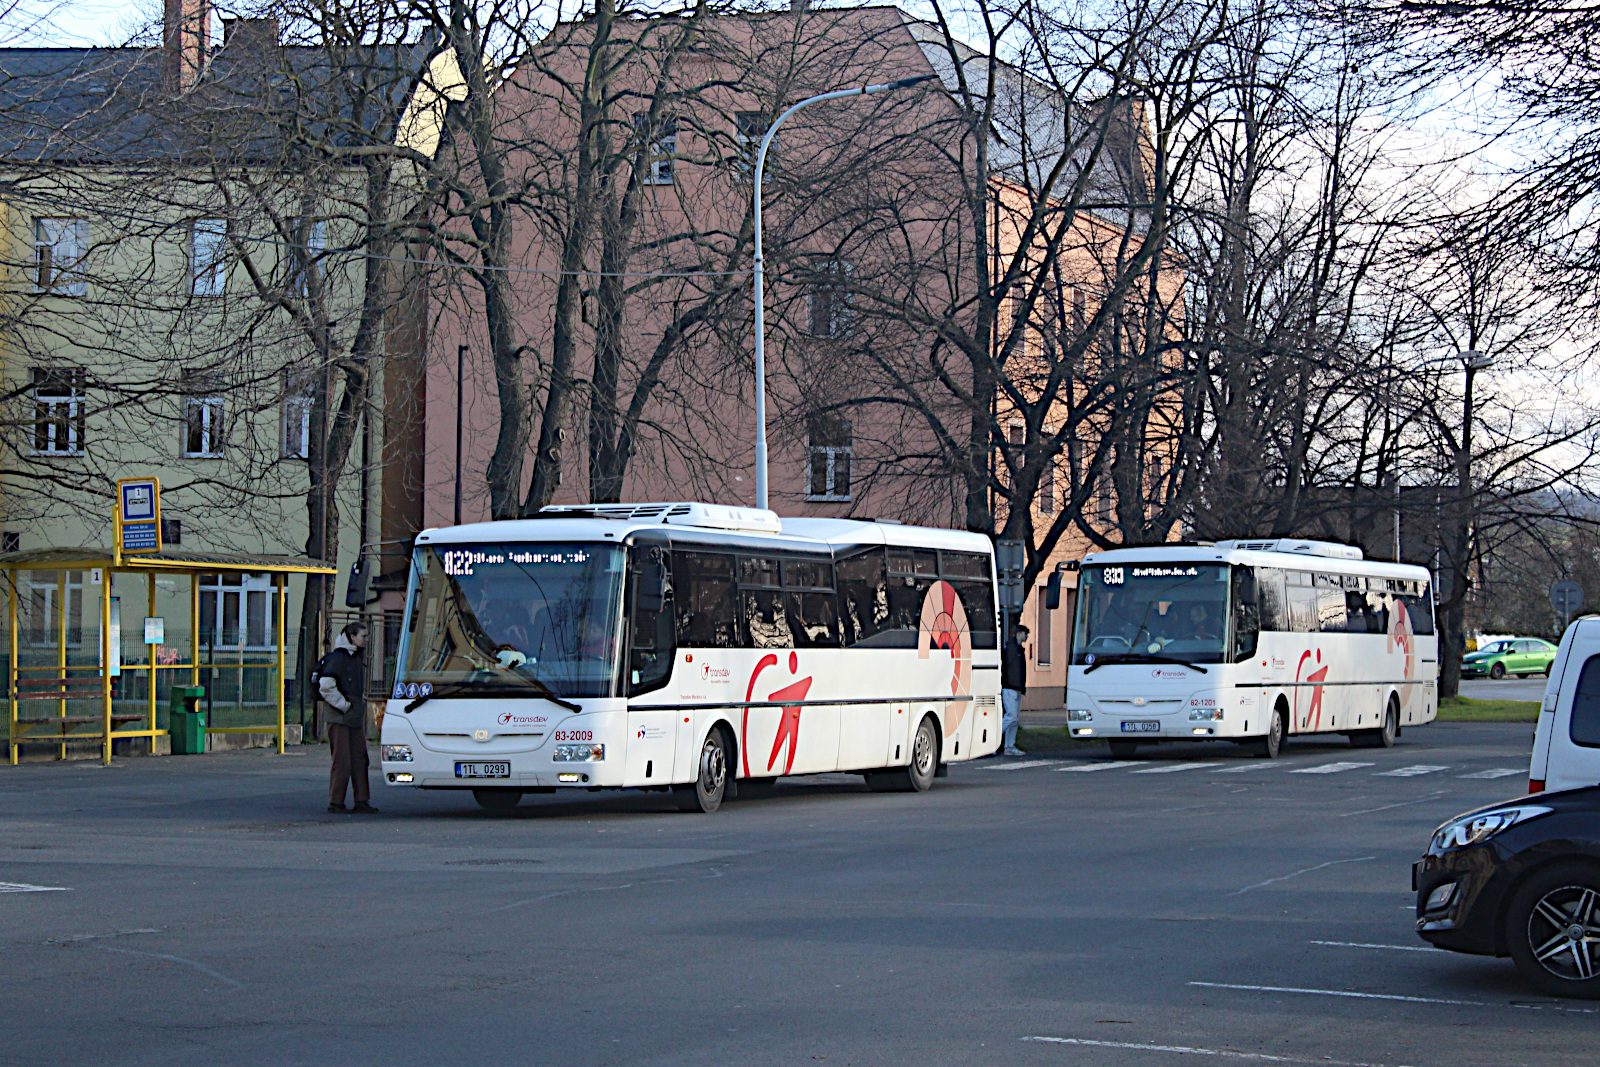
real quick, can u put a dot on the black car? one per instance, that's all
(1522, 879)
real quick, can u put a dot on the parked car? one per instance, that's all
(1516, 655)
(1522, 879)
(1566, 743)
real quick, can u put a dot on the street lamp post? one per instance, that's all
(1472, 361)
(760, 272)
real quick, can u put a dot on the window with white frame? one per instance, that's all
(58, 410)
(829, 308)
(236, 611)
(750, 127)
(208, 256)
(661, 150)
(295, 416)
(831, 451)
(202, 415)
(58, 249)
(310, 241)
(42, 597)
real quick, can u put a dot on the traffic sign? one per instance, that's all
(138, 515)
(1566, 597)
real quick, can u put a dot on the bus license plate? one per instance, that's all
(1144, 727)
(483, 770)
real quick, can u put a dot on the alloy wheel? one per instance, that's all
(1564, 932)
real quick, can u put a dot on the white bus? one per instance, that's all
(691, 647)
(1250, 641)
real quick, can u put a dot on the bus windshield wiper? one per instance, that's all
(479, 689)
(1142, 657)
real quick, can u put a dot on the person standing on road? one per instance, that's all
(341, 683)
(1013, 683)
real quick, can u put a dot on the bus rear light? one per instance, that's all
(1536, 785)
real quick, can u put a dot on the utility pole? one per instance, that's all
(461, 362)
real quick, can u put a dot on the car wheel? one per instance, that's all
(1547, 667)
(497, 799)
(1269, 746)
(1497, 671)
(705, 795)
(916, 776)
(1553, 930)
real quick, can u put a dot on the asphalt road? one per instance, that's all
(1531, 688)
(1200, 909)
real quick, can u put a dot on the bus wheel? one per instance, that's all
(1123, 749)
(1272, 744)
(706, 793)
(1383, 736)
(497, 799)
(918, 775)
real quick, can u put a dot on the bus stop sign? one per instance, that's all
(139, 515)
(1566, 597)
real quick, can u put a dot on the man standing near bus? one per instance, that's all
(341, 683)
(1013, 683)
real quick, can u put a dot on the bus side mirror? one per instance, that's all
(1052, 591)
(654, 586)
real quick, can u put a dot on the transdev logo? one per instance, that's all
(1159, 673)
(508, 718)
(715, 674)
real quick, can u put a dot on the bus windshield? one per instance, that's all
(506, 617)
(1171, 610)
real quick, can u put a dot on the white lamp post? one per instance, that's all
(760, 273)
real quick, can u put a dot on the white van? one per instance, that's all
(1566, 746)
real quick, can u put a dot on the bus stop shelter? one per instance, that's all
(61, 702)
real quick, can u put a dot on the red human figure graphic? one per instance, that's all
(1314, 708)
(789, 721)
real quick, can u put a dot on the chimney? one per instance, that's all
(799, 6)
(250, 35)
(185, 42)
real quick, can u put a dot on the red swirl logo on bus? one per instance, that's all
(944, 627)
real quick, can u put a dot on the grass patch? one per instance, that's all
(1048, 741)
(1462, 709)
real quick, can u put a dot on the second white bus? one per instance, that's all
(1250, 641)
(693, 647)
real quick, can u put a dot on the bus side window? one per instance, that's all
(766, 621)
(1272, 600)
(1584, 728)
(1302, 602)
(1246, 614)
(863, 596)
(968, 573)
(907, 588)
(1330, 604)
(706, 602)
(1375, 609)
(652, 627)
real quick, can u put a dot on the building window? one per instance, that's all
(661, 151)
(831, 450)
(208, 255)
(310, 238)
(171, 531)
(1043, 638)
(236, 611)
(58, 410)
(10, 541)
(829, 308)
(295, 418)
(42, 598)
(751, 127)
(58, 248)
(202, 416)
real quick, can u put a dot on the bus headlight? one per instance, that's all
(579, 753)
(1079, 715)
(397, 753)
(1205, 714)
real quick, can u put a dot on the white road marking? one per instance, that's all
(1171, 767)
(1105, 766)
(202, 968)
(1495, 772)
(1363, 944)
(1386, 807)
(1296, 874)
(1341, 993)
(1411, 772)
(24, 887)
(1331, 768)
(1188, 1050)
(1020, 766)
(1241, 768)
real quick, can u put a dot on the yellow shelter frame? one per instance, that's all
(56, 683)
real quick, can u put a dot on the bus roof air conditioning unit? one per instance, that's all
(685, 513)
(1298, 546)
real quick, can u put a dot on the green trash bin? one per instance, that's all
(186, 721)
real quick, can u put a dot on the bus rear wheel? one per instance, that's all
(1383, 736)
(918, 775)
(497, 799)
(705, 795)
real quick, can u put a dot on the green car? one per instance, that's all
(1516, 655)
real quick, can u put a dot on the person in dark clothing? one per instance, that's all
(341, 683)
(1013, 683)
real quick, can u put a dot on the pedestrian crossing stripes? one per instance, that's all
(1495, 772)
(1412, 771)
(24, 887)
(1171, 767)
(1022, 766)
(1107, 766)
(1331, 768)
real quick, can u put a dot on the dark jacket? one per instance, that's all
(346, 667)
(1014, 666)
